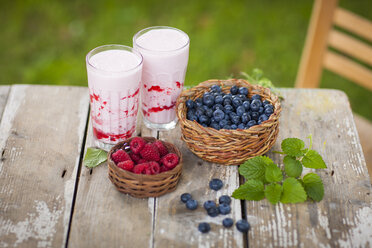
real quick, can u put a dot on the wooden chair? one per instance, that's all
(342, 59)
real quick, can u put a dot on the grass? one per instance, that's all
(45, 42)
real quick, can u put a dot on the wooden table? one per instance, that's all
(48, 199)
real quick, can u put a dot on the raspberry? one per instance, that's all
(150, 153)
(141, 161)
(170, 160)
(154, 167)
(120, 156)
(161, 147)
(141, 168)
(135, 157)
(137, 144)
(126, 165)
(163, 169)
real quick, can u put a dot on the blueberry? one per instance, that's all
(215, 125)
(262, 118)
(234, 126)
(243, 97)
(241, 126)
(227, 96)
(190, 104)
(204, 227)
(228, 108)
(215, 88)
(218, 99)
(204, 119)
(266, 102)
(185, 197)
(223, 123)
(240, 110)
(226, 102)
(209, 204)
(235, 119)
(234, 90)
(191, 204)
(208, 100)
(198, 102)
(224, 199)
(268, 111)
(213, 211)
(255, 115)
(236, 102)
(204, 124)
(209, 112)
(243, 91)
(218, 106)
(227, 127)
(243, 225)
(256, 104)
(199, 111)
(218, 115)
(246, 105)
(227, 222)
(251, 123)
(261, 110)
(245, 118)
(224, 208)
(256, 96)
(215, 184)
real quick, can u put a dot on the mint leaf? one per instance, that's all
(94, 157)
(314, 186)
(292, 166)
(273, 193)
(293, 192)
(293, 147)
(251, 190)
(313, 160)
(254, 168)
(273, 173)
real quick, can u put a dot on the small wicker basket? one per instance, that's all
(230, 147)
(140, 185)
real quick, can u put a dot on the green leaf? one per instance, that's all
(292, 166)
(313, 160)
(293, 192)
(293, 147)
(254, 168)
(273, 193)
(314, 186)
(94, 157)
(257, 73)
(273, 173)
(251, 190)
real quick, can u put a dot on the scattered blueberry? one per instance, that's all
(191, 204)
(227, 222)
(213, 211)
(209, 204)
(185, 197)
(224, 199)
(243, 225)
(215, 184)
(243, 91)
(204, 227)
(224, 208)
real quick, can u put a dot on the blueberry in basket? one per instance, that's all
(232, 110)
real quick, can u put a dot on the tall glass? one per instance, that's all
(114, 75)
(165, 52)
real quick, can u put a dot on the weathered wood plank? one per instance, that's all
(41, 134)
(104, 217)
(176, 226)
(344, 217)
(4, 92)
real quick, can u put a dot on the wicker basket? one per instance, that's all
(231, 147)
(140, 185)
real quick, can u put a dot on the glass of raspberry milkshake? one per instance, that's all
(165, 52)
(114, 75)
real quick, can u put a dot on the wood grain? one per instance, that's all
(104, 217)
(41, 134)
(344, 217)
(4, 92)
(176, 226)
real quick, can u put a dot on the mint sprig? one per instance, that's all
(94, 157)
(266, 179)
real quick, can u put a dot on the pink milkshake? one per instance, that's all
(165, 52)
(114, 75)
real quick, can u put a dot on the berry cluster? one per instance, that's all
(214, 210)
(145, 158)
(234, 110)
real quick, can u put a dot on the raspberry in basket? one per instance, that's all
(120, 156)
(126, 165)
(141, 168)
(150, 153)
(170, 160)
(161, 147)
(137, 144)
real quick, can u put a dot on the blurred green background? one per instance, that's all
(45, 41)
